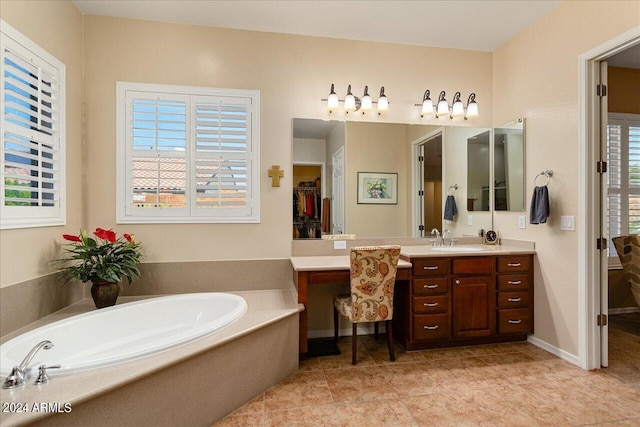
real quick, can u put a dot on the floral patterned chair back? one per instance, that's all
(373, 277)
(628, 248)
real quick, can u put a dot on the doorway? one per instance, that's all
(593, 265)
(427, 188)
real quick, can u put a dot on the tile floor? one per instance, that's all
(514, 384)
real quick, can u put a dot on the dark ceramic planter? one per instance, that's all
(105, 294)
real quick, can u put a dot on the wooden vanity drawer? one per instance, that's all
(514, 321)
(472, 265)
(430, 267)
(514, 299)
(430, 326)
(431, 304)
(436, 285)
(514, 263)
(513, 282)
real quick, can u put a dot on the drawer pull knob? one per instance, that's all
(457, 282)
(515, 321)
(514, 264)
(430, 304)
(430, 286)
(514, 299)
(430, 267)
(431, 328)
(514, 282)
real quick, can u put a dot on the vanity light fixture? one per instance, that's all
(353, 103)
(442, 107)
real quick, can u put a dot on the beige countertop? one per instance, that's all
(463, 250)
(337, 262)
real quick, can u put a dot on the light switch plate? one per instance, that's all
(470, 220)
(339, 244)
(522, 221)
(568, 223)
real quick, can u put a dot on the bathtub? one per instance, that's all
(124, 332)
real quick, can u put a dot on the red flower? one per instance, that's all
(71, 238)
(129, 238)
(109, 235)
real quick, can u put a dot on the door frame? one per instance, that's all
(589, 211)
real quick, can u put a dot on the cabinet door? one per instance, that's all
(473, 308)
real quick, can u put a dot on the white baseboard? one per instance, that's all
(624, 310)
(575, 360)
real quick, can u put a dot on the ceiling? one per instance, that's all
(474, 25)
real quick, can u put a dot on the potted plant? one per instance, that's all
(103, 261)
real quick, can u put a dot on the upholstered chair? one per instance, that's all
(628, 248)
(373, 277)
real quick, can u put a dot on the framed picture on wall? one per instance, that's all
(377, 188)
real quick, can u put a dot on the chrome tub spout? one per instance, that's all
(16, 377)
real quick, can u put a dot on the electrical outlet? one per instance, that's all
(339, 244)
(568, 223)
(522, 221)
(470, 220)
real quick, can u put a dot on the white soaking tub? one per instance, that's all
(123, 332)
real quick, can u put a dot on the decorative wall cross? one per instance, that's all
(275, 174)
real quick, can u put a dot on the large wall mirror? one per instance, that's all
(414, 168)
(509, 146)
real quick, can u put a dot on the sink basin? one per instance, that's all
(456, 249)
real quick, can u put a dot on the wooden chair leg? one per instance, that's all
(354, 344)
(336, 319)
(375, 330)
(392, 353)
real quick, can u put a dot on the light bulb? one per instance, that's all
(427, 104)
(457, 109)
(472, 107)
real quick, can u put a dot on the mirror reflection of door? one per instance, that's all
(337, 196)
(429, 167)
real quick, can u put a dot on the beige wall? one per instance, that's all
(292, 73)
(624, 87)
(536, 77)
(25, 253)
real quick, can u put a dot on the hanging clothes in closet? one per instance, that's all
(307, 213)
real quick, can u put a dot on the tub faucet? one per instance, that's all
(16, 377)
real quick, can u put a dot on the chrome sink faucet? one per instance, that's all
(444, 236)
(17, 376)
(436, 233)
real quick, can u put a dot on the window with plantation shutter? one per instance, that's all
(32, 148)
(187, 154)
(623, 157)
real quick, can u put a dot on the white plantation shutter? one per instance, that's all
(222, 155)
(189, 154)
(32, 148)
(623, 157)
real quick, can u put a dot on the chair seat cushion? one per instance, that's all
(342, 303)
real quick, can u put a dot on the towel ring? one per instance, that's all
(454, 187)
(546, 173)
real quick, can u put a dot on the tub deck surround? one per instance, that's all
(266, 309)
(318, 270)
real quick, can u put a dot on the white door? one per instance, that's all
(337, 196)
(604, 226)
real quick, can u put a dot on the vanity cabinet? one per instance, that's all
(463, 300)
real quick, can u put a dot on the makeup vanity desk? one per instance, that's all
(314, 270)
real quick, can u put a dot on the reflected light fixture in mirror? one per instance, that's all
(353, 103)
(442, 107)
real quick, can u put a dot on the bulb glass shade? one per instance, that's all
(349, 100)
(472, 109)
(443, 107)
(457, 109)
(383, 102)
(332, 101)
(366, 102)
(427, 107)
